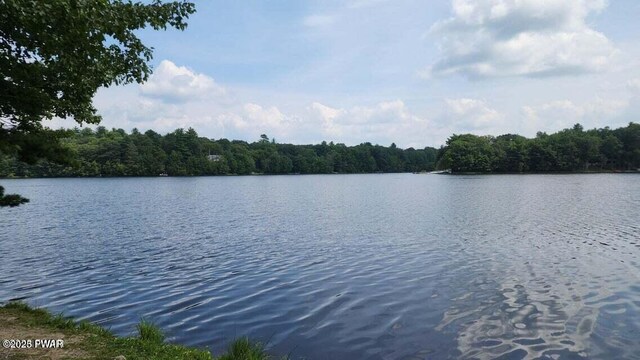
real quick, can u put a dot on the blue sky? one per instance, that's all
(403, 71)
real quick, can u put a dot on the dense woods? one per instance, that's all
(103, 152)
(569, 150)
(116, 153)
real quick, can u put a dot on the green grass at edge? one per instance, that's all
(100, 343)
(242, 348)
(147, 331)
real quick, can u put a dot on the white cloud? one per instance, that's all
(561, 114)
(328, 114)
(173, 83)
(472, 114)
(248, 121)
(493, 38)
(383, 123)
(287, 119)
(261, 117)
(327, 117)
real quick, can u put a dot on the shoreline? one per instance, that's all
(371, 173)
(35, 333)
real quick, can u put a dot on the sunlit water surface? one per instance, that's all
(342, 266)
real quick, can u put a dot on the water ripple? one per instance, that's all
(340, 267)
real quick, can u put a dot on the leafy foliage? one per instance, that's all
(569, 150)
(55, 54)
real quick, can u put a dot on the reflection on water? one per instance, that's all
(560, 283)
(341, 267)
(519, 324)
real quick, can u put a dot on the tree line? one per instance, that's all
(102, 152)
(569, 150)
(115, 152)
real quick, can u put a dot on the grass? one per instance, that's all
(244, 349)
(147, 331)
(84, 340)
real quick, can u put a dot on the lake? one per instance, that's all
(394, 266)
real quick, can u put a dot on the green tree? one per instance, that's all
(510, 154)
(468, 153)
(55, 54)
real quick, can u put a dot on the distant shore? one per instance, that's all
(372, 173)
(550, 172)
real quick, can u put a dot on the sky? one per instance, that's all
(409, 72)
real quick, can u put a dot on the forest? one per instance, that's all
(103, 152)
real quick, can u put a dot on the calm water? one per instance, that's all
(340, 267)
